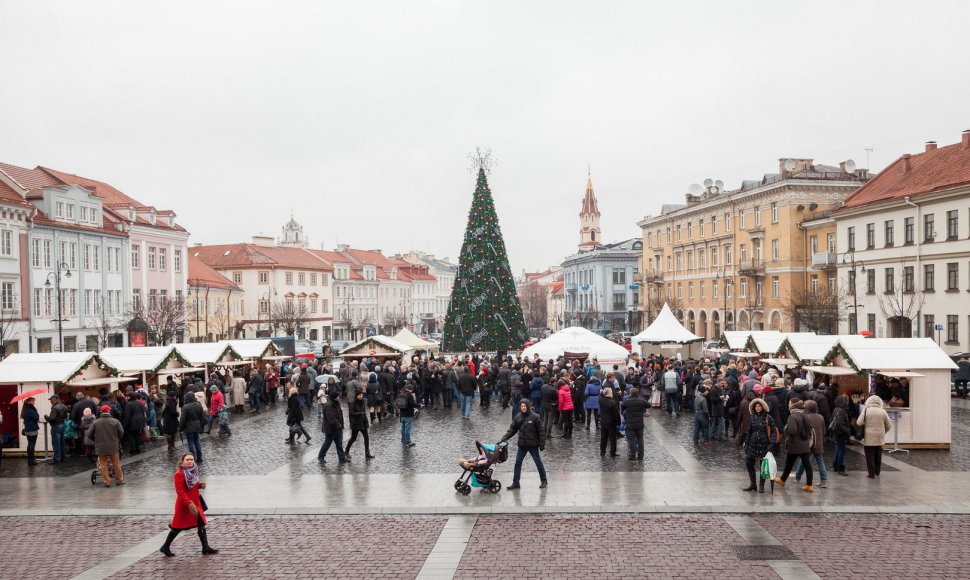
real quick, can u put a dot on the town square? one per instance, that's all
(433, 290)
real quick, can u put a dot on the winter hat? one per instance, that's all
(54, 398)
(213, 388)
(767, 390)
(801, 383)
(105, 409)
(780, 383)
(759, 389)
(795, 403)
(811, 407)
(372, 378)
(87, 411)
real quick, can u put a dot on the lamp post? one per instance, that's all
(722, 275)
(848, 259)
(60, 268)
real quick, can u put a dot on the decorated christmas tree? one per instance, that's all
(484, 313)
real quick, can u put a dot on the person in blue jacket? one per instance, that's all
(592, 401)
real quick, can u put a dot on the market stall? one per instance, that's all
(580, 343)
(378, 347)
(807, 347)
(210, 355)
(414, 341)
(49, 373)
(256, 349)
(147, 363)
(666, 332)
(911, 375)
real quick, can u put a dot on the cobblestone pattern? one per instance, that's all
(876, 547)
(605, 547)
(53, 548)
(323, 547)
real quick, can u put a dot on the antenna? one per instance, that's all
(868, 151)
(719, 185)
(708, 182)
(849, 166)
(695, 189)
(789, 164)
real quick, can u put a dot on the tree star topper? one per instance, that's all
(482, 159)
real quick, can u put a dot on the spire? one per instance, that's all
(590, 206)
(589, 218)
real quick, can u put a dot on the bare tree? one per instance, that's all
(818, 311)
(395, 321)
(751, 306)
(166, 319)
(533, 298)
(587, 317)
(654, 304)
(288, 316)
(9, 327)
(104, 326)
(901, 304)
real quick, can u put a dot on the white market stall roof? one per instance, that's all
(408, 338)
(666, 329)
(203, 353)
(735, 339)
(891, 354)
(378, 345)
(576, 339)
(137, 359)
(254, 348)
(807, 346)
(770, 341)
(51, 367)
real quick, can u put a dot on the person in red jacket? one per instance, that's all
(565, 409)
(188, 505)
(216, 403)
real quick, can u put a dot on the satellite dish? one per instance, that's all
(708, 182)
(696, 189)
(849, 166)
(789, 164)
(719, 184)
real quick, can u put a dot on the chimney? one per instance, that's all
(930, 146)
(906, 165)
(342, 247)
(263, 241)
(966, 139)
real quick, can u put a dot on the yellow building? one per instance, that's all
(742, 255)
(214, 306)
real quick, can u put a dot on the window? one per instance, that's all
(890, 233)
(701, 291)
(59, 209)
(177, 260)
(151, 258)
(690, 290)
(871, 323)
(619, 301)
(908, 282)
(619, 275)
(162, 259)
(6, 296)
(728, 285)
(237, 277)
(6, 242)
(35, 253)
(727, 222)
(812, 284)
(301, 278)
(952, 224)
(289, 278)
(830, 242)
(775, 251)
(850, 238)
(69, 213)
(313, 306)
(928, 233)
(690, 231)
(929, 278)
(324, 305)
(909, 231)
(890, 283)
(743, 252)
(728, 255)
(758, 291)
(742, 220)
(680, 290)
(713, 225)
(700, 227)
(678, 233)
(263, 306)
(714, 257)
(92, 257)
(776, 285)
(852, 281)
(136, 297)
(871, 281)
(690, 260)
(701, 259)
(929, 324)
(813, 244)
(113, 263)
(135, 257)
(264, 277)
(952, 276)
(313, 278)
(715, 286)
(743, 290)
(870, 236)
(774, 213)
(757, 216)
(952, 332)
(853, 324)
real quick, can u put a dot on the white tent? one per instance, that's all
(666, 329)
(888, 354)
(770, 341)
(377, 346)
(143, 359)
(207, 353)
(408, 338)
(256, 348)
(579, 341)
(807, 346)
(736, 339)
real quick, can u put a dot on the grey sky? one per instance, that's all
(359, 115)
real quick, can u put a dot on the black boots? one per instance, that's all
(166, 548)
(751, 487)
(306, 435)
(840, 469)
(761, 486)
(206, 548)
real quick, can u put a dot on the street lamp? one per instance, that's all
(727, 282)
(848, 259)
(60, 268)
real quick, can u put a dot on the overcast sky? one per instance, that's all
(359, 116)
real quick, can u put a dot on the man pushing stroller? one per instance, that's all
(531, 441)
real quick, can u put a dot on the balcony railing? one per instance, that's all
(754, 267)
(653, 276)
(825, 260)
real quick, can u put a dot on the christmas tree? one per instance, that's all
(484, 313)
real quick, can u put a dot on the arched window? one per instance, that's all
(592, 236)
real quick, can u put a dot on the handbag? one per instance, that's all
(143, 435)
(296, 428)
(205, 506)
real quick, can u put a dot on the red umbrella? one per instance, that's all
(28, 394)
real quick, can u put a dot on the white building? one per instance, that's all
(14, 310)
(904, 247)
(444, 273)
(601, 287)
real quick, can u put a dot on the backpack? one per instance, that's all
(401, 402)
(805, 429)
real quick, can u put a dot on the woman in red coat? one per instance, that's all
(188, 506)
(565, 409)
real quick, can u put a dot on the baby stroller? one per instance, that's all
(223, 418)
(478, 471)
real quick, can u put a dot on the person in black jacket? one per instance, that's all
(294, 416)
(609, 421)
(550, 406)
(635, 407)
(333, 428)
(358, 423)
(170, 417)
(135, 419)
(467, 387)
(191, 422)
(531, 441)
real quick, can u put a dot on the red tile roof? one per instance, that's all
(929, 172)
(28, 178)
(8, 195)
(252, 255)
(412, 271)
(43, 220)
(200, 274)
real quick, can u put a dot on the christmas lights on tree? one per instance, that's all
(484, 313)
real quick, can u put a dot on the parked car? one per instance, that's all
(338, 345)
(437, 336)
(706, 349)
(304, 346)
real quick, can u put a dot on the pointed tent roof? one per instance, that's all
(666, 329)
(576, 339)
(408, 338)
(589, 200)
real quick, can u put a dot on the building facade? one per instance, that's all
(601, 292)
(15, 216)
(904, 248)
(746, 257)
(216, 306)
(444, 273)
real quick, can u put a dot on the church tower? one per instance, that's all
(589, 220)
(293, 236)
